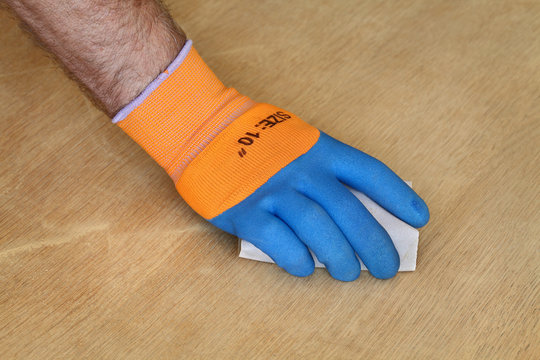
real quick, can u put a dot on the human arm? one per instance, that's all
(113, 48)
(254, 170)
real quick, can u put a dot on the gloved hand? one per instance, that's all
(261, 173)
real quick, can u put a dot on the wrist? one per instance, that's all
(181, 111)
(140, 60)
(129, 82)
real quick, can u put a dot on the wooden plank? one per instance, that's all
(99, 257)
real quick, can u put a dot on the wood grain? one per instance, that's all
(99, 257)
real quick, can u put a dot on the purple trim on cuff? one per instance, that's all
(122, 114)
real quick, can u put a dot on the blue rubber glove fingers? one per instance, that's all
(373, 178)
(268, 233)
(255, 219)
(319, 232)
(306, 205)
(368, 238)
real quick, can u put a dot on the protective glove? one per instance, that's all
(261, 173)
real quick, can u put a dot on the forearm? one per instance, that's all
(114, 48)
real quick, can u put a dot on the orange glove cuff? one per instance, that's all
(217, 145)
(243, 157)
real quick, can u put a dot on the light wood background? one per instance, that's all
(99, 257)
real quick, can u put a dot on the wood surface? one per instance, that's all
(101, 259)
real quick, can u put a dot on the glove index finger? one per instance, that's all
(372, 177)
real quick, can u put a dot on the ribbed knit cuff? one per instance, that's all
(181, 111)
